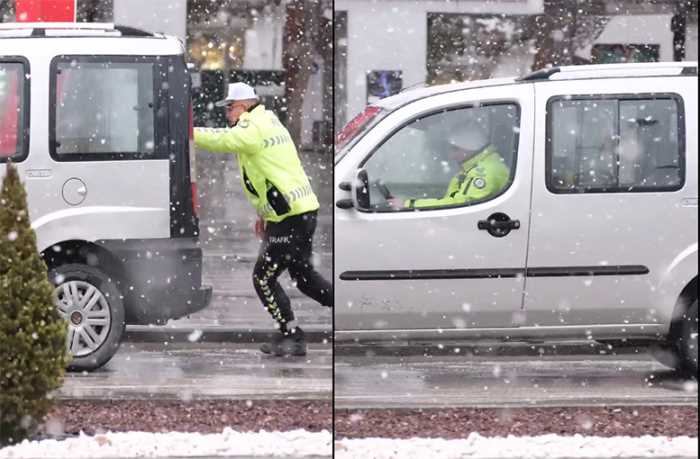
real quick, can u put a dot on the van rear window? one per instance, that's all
(12, 109)
(103, 108)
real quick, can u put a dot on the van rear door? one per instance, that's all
(108, 142)
(183, 191)
(612, 174)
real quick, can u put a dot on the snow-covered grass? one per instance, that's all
(300, 443)
(540, 447)
(295, 443)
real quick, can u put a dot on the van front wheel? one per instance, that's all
(688, 345)
(91, 304)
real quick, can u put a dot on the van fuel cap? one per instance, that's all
(74, 191)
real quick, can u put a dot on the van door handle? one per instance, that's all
(498, 224)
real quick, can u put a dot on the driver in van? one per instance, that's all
(482, 172)
(275, 183)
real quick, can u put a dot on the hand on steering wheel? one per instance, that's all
(394, 203)
(383, 189)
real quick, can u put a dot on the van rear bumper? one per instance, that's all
(161, 279)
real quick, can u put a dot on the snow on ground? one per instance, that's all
(300, 443)
(541, 447)
(296, 443)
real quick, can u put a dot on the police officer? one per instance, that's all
(277, 186)
(482, 171)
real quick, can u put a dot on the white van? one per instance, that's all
(593, 235)
(95, 117)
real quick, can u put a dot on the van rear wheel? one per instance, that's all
(91, 304)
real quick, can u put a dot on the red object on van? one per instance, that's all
(9, 115)
(45, 10)
(355, 126)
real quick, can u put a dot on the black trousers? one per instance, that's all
(287, 245)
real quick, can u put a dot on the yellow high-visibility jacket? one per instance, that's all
(272, 176)
(481, 176)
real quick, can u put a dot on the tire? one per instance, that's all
(688, 340)
(91, 303)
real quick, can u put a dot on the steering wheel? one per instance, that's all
(383, 189)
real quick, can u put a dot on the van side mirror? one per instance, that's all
(360, 190)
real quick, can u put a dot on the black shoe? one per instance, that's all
(291, 343)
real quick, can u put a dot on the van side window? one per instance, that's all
(451, 158)
(103, 109)
(12, 111)
(615, 144)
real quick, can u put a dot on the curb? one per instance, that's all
(159, 335)
(472, 349)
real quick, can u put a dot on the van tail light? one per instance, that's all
(193, 165)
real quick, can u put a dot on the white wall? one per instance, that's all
(263, 44)
(393, 35)
(646, 29)
(691, 42)
(163, 16)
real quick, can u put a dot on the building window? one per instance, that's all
(471, 47)
(616, 54)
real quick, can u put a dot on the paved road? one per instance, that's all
(228, 266)
(456, 377)
(230, 250)
(204, 371)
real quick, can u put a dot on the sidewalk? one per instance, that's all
(230, 250)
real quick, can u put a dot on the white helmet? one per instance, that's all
(237, 91)
(471, 136)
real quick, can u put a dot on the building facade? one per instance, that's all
(383, 47)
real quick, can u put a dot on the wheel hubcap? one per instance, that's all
(76, 318)
(86, 309)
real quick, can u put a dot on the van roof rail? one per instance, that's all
(68, 29)
(541, 74)
(572, 72)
